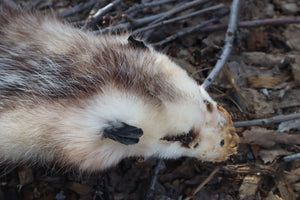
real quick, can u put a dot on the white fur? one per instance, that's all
(37, 128)
(72, 135)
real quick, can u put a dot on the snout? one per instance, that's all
(231, 139)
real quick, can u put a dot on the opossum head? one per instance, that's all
(206, 131)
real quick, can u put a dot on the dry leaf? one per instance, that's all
(249, 187)
(258, 103)
(263, 82)
(264, 59)
(271, 196)
(296, 70)
(79, 188)
(291, 34)
(268, 138)
(293, 176)
(288, 125)
(286, 192)
(296, 187)
(268, 156)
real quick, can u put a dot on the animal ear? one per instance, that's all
(123, 133)
(136, 43)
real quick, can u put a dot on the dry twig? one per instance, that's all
(151, 188)
(98, 16)
(138, 7)
(229, 38)
(130, 25)
(291, 157)
(77, 9)
(181, 8)
(259, 122)
(190, 30)
(254, 23)
(159, 24)
(203, 183)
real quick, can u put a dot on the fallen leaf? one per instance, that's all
(291, 99)
(286, 192)
(249, 187)
(296, 70)
(263, 82)
(268, 156)
(293, 175)
(268, 138)
(264, 59)
(291, 34)
(79, 188)
(272, 196)
(288, 125)
(257, 40)
(258, 103)
(296, 187)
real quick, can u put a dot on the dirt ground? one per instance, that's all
(261, 79)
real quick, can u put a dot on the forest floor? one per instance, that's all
(261, 79)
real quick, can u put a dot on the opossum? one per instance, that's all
(86, 102)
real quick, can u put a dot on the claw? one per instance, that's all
(123, 133)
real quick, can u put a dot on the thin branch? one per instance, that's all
(190, 30)
(151, 189)
(138, 7)
(254, 23)
(259, 122)
(203, 183)
(151, 19)
(229, 38)
(291, 157)
(77, 9)
(98, 16)
(159, 24)
(131, 25)
(185, 6)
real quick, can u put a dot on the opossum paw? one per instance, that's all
(123, 133)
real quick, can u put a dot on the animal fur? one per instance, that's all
(61, 87)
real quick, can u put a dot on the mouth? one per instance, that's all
(185, 138)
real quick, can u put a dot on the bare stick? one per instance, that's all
(137, 7)
(184, 32)
(204, 183)
(159, 24)
(190, 30)
(77, 9)
(229, 38)
(133, 23)
(151, 189)
(259, 122)
(291, 157)
(254, 23)
(181, 8)
(102, 12)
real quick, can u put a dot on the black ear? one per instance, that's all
(136, 43)
(123, 133)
